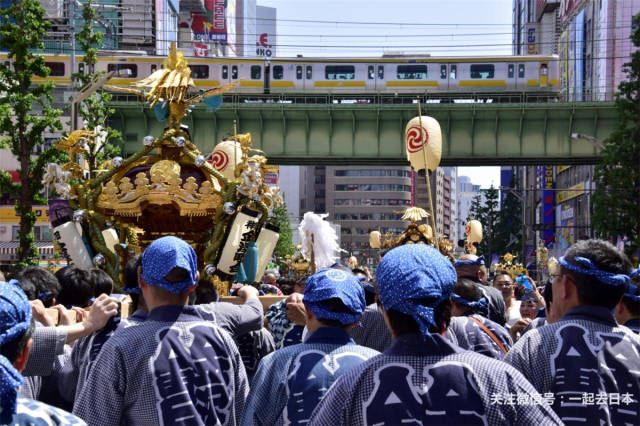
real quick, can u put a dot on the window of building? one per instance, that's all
(46, 234)
(278, 72)
(482, 71)
(412, 72)
(123, 70)
(15, 233)
(199, 71)
(256, 72)
(56, 68)
(346, 173)
(339, 72)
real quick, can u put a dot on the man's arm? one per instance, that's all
(241, 319)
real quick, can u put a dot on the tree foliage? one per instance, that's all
(509, 227)
(26, 113)
(617, 177)
(285, 244)
(489, 213)
(94, 110)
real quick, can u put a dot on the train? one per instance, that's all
(534, 74)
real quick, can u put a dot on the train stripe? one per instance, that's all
(282, 84)
(340, 83)
(482, 83)
(412, 83)
(256, 83)
(533, 83)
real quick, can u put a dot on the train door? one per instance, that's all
(370, 82)
(308, 78)
(267, 77)
(511, 76)
(544, 74)
(453, 77)
(443, 84)
(522, 80)
(380, 84)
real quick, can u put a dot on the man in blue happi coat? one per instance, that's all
(173, 368)
(423, 378)
(627, 312)
(291, 381)
(472, 329)
(588, 363)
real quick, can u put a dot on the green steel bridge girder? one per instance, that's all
(368, 134)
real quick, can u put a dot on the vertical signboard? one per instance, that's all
(531, 38)
(579, 56)
(265, 31)
(218, 24)
(548, 206)
(563, 52)
(230, 21)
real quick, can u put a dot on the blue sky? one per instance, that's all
(357, 28)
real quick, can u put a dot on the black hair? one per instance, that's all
(632, 307)
(286, 285)
(606, 258)
(337, 306)
(547, 294)
(12, 349)
(131, 279)
(28, 287)
(76, 287)
(405, 324)
(467, 289)
(177, 275)
(205, 292)
(102, 282)
(499, 274)
(45, 284)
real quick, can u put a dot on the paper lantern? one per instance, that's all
(374, 239)
(416, 141)
(267, 241)
(72, 247)
(242, 232)
(225, 157)
(473, 231)
(110, 238)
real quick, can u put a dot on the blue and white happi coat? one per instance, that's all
(634, 325)
(285, 333)
(77, 364)
(589, 365)
(471, 336)
(291, 381)
(30, 412)
(428, 380)
(173, 368)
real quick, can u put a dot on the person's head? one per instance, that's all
(299, 285)
(46, 284)
(414, 285)
(547, 295)
(270, 290)
(503, 282)
(131, 286)
(369, 289)
(629, 306)
(76, 288)
(333, 298)
(529, 306)
(102, 282)
(205, 292)
(286, 285)
(592, 273)
(472, 267)
(16, 328)
(269, 278)
(168, 273)
(467, 299)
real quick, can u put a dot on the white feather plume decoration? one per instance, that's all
(324, 242)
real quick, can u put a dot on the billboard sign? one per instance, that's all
(210, 26)
(263, 47)
(548, 206)
(531, 31)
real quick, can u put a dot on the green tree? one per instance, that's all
(509, 227)
(26, 113)
(94, 110)
(489, 215)
(617, 177)
(285, 244)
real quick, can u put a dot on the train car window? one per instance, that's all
(234, 72)
(199, 71)
(339, 72)
(256, 72)
(544, 70)
(454, 72)
(298, 72)
(520, 70)
(482, 71)
(124, 70)
(225, 72)
(309, 72)
(81, 67)
(57, 68)
(511, 70)
(381, 72)
(7, 64)
(443, 72)
(278, 72)
(370, 72)
(412, 72)
(154, 68)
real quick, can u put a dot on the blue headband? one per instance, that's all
(480, 305)
(334, 284)
(131, 290)
(15, 320)
(588, 268)
(479, 261)
(634, 273)
(45, 296)
(164, 254)
(631, 293)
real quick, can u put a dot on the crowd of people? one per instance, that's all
(424, 341)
